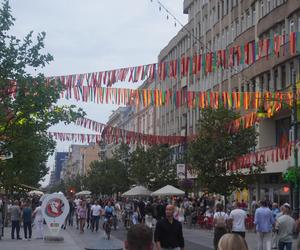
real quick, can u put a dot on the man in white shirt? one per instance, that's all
(237, 219)
(95, 211)
(286, 227)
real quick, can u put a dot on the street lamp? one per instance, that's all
(295, 150)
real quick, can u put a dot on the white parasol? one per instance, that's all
(84, 192)
(168, 191)
(137, 191)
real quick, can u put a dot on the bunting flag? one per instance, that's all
(82, 138)
(271, 101)
(273, 154)
(245, 121)
(111, 134)
(205, 63)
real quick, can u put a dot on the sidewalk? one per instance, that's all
(7, 243)
(205, 238)
(73, 240)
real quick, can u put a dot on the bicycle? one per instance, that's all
(107, 226)
(127, 219)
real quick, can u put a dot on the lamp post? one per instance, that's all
(295, 150)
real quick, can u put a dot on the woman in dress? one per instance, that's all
(38, 222)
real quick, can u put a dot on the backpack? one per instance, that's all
(220, 221)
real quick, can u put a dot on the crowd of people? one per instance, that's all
(21, 212)
(165, 218)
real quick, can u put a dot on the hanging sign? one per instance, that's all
(55, 208)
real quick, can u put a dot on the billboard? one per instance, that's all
(180, 170)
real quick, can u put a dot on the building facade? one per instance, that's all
(79, 159)
(220, 24)
(60, 159)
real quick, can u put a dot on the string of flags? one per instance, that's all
(117, 135)
(273, 154)
(198, 64)
(246, 121)
(193, 99)
(75, 137)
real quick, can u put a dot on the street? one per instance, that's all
(195, 239)
(92, 240)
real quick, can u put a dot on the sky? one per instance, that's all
(96, 35)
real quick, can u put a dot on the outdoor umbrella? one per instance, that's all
(84, 192)
(168, 190)
(35, 192)
(137, 191)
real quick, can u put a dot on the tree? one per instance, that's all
(152, 167)
(107, 177)
(215, 147)
(27, 105)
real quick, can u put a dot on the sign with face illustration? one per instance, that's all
(55, 208)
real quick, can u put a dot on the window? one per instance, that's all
(238, 29)
(253, 15)
(268, 82)
(283, 29)
(226, 36)
(261, 9)
(292, 25)
(268, 6)
(242, 24)
(292, 73)
(283, 77)
(233, 3)
(282, 131)
(275, 79)
(249, 24)
(226, 6)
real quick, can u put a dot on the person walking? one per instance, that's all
(95, 211)
(15, 220)
(168, 232)
(237, 219)
(38, 221)
(82, 214)
(27, 220)
(220, 223)
(276, 213)
(264, 220)
(286, 227)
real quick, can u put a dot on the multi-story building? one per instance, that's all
(120, 118)
(89, 154)
(79, 160)
(139, 119)
(60, 159)
(220, 24)
(52, 180)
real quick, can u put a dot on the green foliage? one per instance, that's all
(152, 167)
(107, 177)
(27, 105)
(214, 147)
(292, 175)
